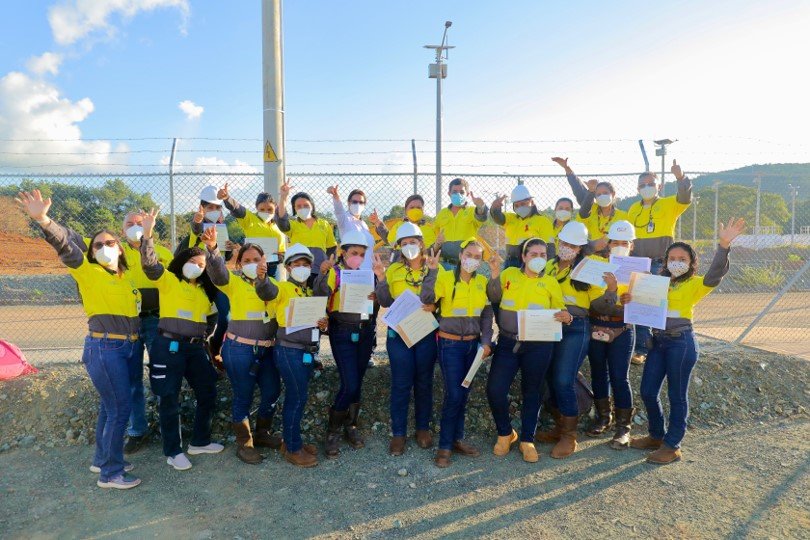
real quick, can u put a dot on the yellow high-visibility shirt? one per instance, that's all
(663, 214)
(133, 256)
(179, 299)
(518, 229)
(103, 293)
(245, 303)
(320, 235)
(469, 300)
(254, 227)
(683, 296)
(598, 225)
(286, 292)
(520, 291)
(428, 233)
(401, 278)
(457, 227)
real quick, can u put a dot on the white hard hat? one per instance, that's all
(354, 238)
(209, 195)
(575, 233)
(622, 230)
(297, 251)
(408, 230)
(520, 193)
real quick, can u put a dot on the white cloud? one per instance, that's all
(73, 20)
(46, 63)
(191, 109)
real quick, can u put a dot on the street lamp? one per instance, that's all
(438, 71)
(794, 190)
(661, 150)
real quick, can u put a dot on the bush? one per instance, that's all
(759, 277)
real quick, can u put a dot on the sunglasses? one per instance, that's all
(108, 243)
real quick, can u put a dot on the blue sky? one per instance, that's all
(723, 77)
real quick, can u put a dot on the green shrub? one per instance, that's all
(771, 276)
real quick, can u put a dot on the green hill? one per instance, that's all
(775, 178)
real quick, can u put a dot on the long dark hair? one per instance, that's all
(577, 285)
(693, 261)
(303, 195)
(91, 255)
(530, 243)
(176, 268)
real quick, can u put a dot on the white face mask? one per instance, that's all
(604, 200)
(265, 216)
(108, 256)
(677, 268)
(134, 233)
(523, 211)
(470, 265)
(566, 253)
(620, 251)
(192, 271)
(213, 216)
(648, 192)
(537, 265)
(562, 215)
(250, 270)
(410, 251)
(356, 209)
(304, 212)
(301, 273)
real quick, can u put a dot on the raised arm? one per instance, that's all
(481, 209)
(684, 195)
(587, 201)
(428, 292)
(494, 290)
(214, 263)
(266, 288)
(62, 239)
(150, 263)
(719, 266)
(577, 186)
(237, 210)
(282, 219)
(496, 210)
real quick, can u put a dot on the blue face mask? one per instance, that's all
(457, 199)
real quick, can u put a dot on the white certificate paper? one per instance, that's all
(416, 326)
(479, 359)
(539, 325)
(591, 271)
(628, 265)
(269, 246)
(649, 305)
(222, 234)
(355, 287)
(305, 312)
(405, 304)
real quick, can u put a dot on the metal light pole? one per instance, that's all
(173, 222)
(758, 182)
(661, 150)
(794, 190)
(438, 71)
(415, 176)
(273, 95)
(716, 206)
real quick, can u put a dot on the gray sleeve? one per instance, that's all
(497, 215)
(283, 222)
(215, 267)
(196, 228)
(606, 304)
(718, 268)
(64, 241)
(577, 186)
(321, 285)
(487, 317)
(684, 195)
(149, 261)
(428, 292)
(494, 290)
(586, 204)
(237, 210)
(382, 231)
(383, 292)
(266, 289)
(482, 217)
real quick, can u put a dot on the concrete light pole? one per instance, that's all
(273, 95)
(438, 71)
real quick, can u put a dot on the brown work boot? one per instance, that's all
(529, 452)
(306, 447)
(264, 437)
(646, 443)
(504, 443)
(603, 420)
(664, 455)
(460, 447)
(350, 430)
(424, 438)
(301, 458)
(567, 444)
(244, 443)
(624, 421)
(553, 435)
(442, 459)
(397, 446)
(333, 428)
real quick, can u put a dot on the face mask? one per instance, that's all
(301, 273)
(213, 216)
(265, 216)
(250, 270)
(356, 209)
(537, 265)
(457, 199)
(304, 212)
(414, 214)
(354, 262)
(648, 192)
(134, 233)
(108, 256)
(192, 271)
(523, 211)
(470, 265)
(410, 251)
(604, 200)
(562, 215)
(566, 253)
(677, 268)
(620, 251)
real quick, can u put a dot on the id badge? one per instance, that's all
(307, 358)
(355, 337)
(650, 226)
(316, 334)
(391, 333)
(174, 346)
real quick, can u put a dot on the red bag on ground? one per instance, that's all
(12, 362)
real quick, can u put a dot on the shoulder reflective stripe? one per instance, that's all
(255, 315)
(477, 311)
(570, 299)
(534, 306)
(184, 314)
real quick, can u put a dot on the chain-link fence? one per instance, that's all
(763, 302)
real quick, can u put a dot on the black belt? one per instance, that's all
(150, 313)
(178, 337)
(669, 333)
(507, 335)
(360, 325)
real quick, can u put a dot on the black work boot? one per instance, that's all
(333, 428)
(350, 430)
(603, 420)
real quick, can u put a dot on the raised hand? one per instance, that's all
(439, 239)
(33, 203)
(562, 162)
(149, 220)
(611, 281)
(478, 201)
(209, 238)
(676, 170)
(327, 264)
(729, 232)
(378, 267)
(284, 189)
(223, 194)
(333, 191)
(498, 202)
(231, 245)
(433, 260)
(374, 218)
(261, 270)
(592, 184)
(199, 215)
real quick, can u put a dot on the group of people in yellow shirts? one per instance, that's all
(139, 297)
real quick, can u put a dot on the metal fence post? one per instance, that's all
(173, 221)
(415, 174)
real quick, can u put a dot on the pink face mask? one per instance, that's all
(354, 262)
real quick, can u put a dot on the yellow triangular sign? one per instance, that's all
(269, 154)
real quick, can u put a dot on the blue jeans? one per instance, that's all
(568, 357)
(455, 359)
(532, 359)
(166, 372)
(223, 316)
(106, 362)
(672, 358)
(239, 358)
(610, 368)
(137, 419)
(644, 333)
(351, 358)
(295, 374)
(411, 369)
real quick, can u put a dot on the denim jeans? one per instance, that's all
(137, 418)
(351, 358)
(239, 358)
(455, 359)
(644, 333)
(223, 316)
(568, 357)
(106, 362)
(610, 368)
(532, 359)
(411, 369)
(295, 374)
(672, 358)
(166, 372)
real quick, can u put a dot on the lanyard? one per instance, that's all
(650, 224)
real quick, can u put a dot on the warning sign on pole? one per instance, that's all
(269, 154)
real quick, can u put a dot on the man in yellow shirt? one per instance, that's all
(458, 221)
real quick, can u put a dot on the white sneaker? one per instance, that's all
(212, 448)
(180, 462)
(128, 467)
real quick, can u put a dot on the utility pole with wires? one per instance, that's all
(415, 174)
(438, 71)
(273, 96)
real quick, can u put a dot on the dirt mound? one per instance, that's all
(23, 255)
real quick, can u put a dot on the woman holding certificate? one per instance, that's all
(352, 324)
(297, 341)
(411, 368)
(465, 325)
(517, 290)
(570, 352)
(674, 351)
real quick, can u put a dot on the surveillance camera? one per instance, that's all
(448, 24)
